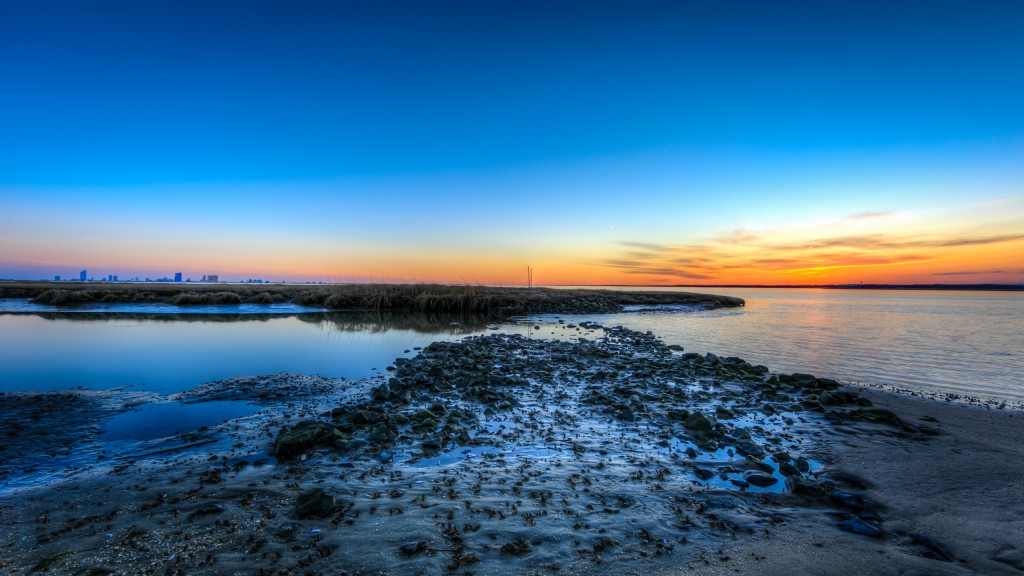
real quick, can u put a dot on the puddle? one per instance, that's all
(161, 420)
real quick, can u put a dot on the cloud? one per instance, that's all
(821, 251)
(886, 242)
(672, 272)
(646, 246)
(870, 215)
(983, 240)
(972, 273)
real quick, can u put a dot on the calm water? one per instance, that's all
(960, 342)
(166, 353)
(968, 343)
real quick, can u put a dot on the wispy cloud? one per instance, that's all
(870, 215)
(982, 240)
(822, 252)
(972, 273)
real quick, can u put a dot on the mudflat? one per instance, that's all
(602, 451)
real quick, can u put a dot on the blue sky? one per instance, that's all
(444, 135)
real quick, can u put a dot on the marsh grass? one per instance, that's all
(432, 298)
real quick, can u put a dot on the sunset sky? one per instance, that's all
(600, 142)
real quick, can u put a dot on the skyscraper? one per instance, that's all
(83, 275)
(177, 276)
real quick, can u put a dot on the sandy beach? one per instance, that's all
(601, 452)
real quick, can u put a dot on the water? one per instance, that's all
(969, 343)
(957, 342)
(172, 353)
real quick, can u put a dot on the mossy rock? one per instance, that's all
(304, 436)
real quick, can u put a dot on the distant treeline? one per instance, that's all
(435, 298)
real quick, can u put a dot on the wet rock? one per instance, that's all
(703, 473)
(517, 547)
(858, 526)
(787, 469)
(750, 448)
(314, 503)
(95, 571)
(677, 415)
(759, 465)
(303, 436)
(380, 394)
(723, 413)
(760, 480)
(826, 383)
(699, 422)
(410, 549)
(380, 434)
(796, 378)
(432, 444)
(805, 487)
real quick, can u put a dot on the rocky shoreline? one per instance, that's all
(602, 450)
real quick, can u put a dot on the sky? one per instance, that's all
(630, 142)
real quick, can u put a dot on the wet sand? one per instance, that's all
(606, 452)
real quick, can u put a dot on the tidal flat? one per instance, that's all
(602, 451)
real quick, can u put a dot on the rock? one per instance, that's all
(95, 571)
(827, 383)
(303, 436)
(516, 548)
(431, 444)
(760, 480)
(677, 415)
(858, 526)
(750, 448)
(380, 434)
(699, 422)
(787, 469)
(315, 503)
(804, 487)
(759, 465)
(703, 473)
(796, 378)
(412, 548)
(723, 413)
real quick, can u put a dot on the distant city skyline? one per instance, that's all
(648, 142)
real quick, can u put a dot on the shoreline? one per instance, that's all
(609, 471)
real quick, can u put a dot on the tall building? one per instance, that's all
(56, 278)
(177, 276)
(83, 275)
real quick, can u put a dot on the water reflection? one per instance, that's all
(168, 353)
(367, 321)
